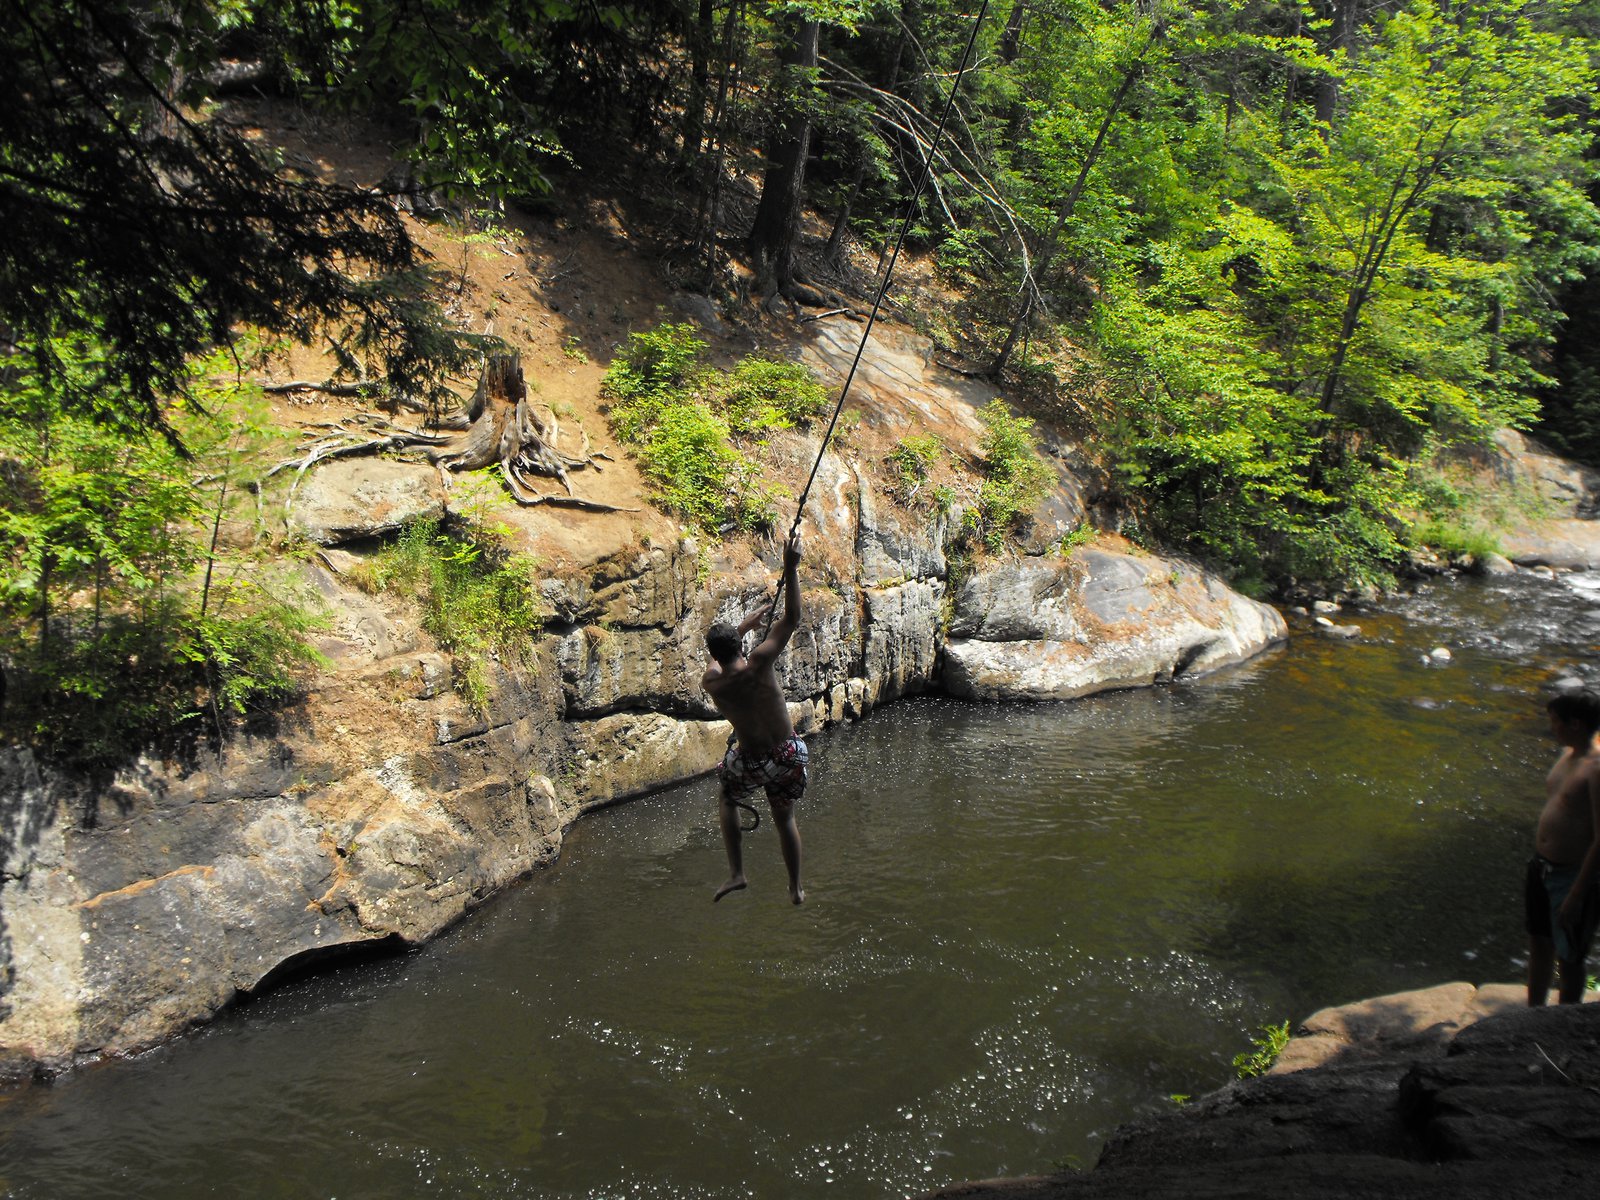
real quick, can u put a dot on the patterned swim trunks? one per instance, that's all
(781, 771)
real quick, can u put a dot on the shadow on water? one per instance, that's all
(1027, 925)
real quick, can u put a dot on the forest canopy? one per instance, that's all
(1272, 257)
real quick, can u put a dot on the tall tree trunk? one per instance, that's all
(701, 41)
(1010, 47)
(776, 228)
(833, 254)
(708, 218)
(1011, 39)
(1341, 36)
(1290, 86)
(1047, 249)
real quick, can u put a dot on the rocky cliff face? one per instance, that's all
(383, 808)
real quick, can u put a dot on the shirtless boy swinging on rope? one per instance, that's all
(1563, 884)
(767, 754)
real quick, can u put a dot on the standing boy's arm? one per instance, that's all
(1587, 872)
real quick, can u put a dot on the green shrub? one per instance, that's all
(911, 461)
(699, 475)
(761, 394)
(681, 416)
(654, 362)
(1452, 538)
(1015, 477)
(1265, 1047)
(123, 622)
(479, 602)
(1081, 536)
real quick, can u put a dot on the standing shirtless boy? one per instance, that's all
(767, 754)
(1563, 888)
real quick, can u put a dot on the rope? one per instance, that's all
(861, 347)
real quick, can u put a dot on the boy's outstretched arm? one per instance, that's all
(783, 628)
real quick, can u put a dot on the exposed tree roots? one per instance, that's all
(498, 427)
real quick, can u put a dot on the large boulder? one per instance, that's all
(1558, 486)
(1566, 543)
(1055, 629)
(1453, 1092)
(1557, 500)
(355, 499)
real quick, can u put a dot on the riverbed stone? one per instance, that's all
(1334, 630)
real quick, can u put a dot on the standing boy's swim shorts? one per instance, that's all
(1547, 886)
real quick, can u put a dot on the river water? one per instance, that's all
(1026, 925)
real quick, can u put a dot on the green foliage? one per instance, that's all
(1015, 477)
(654, 366)
(459, 71)
(478, 601)
(911, 461)
(698, 474)
(1306, 271)
(684, 417)
(1452, 539)
(123, 620)
(138, 226)
(1081, 536)
(762, 394)
(1266, 1045)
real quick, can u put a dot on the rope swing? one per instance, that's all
(866, 332)
(883, 287)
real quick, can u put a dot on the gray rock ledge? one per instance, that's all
(1453, 1091)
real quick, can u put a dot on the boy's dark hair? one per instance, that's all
(1581, 706)
(724, 642)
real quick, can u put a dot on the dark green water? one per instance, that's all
(1026, 925)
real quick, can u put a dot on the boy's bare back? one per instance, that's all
(751, 697)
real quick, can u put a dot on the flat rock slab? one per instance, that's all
(1565, 543)
(1523, 1085)
(356, 498)
(1417, 1022)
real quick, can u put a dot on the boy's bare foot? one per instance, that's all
(798, 895)
(733, 885)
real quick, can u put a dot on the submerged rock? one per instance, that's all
(1329, 629)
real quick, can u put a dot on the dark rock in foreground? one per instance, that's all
(1404, 1096)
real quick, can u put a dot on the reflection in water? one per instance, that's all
(1026, 925)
